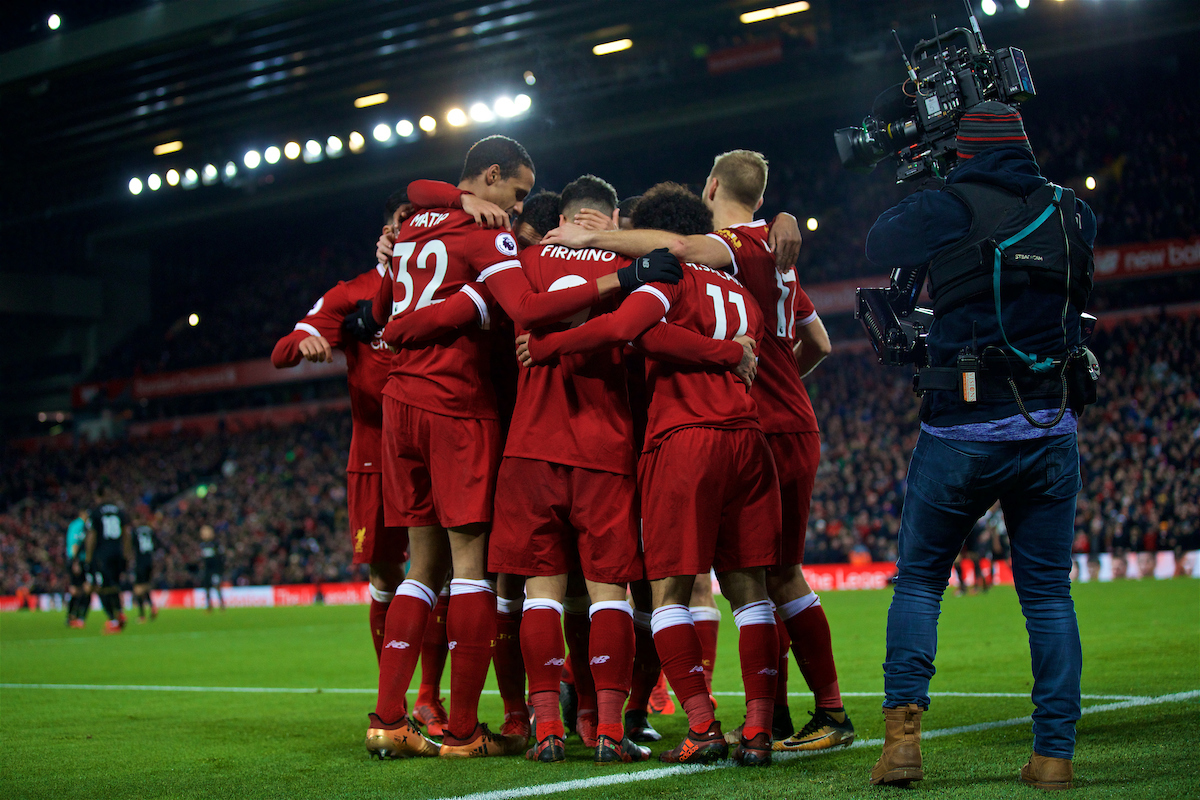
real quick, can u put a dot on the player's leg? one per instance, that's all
(707, 619)
(391, 734)
(544, 654)
(603, 513)
(407, 502)
(383, 578)
(748, 543)
(506, 655)
(683, 483)
(611, 647)
(801, 618)
(471, 626)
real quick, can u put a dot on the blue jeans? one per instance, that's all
(950, 485)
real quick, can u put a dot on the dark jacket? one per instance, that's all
(913, 232)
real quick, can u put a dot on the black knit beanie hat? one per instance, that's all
(989, 124)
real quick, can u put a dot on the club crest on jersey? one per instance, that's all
(506, 244)
(427, 219)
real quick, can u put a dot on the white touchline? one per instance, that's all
(316, 690)
(655, 774)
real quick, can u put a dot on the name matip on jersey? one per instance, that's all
(716, 305)
(783, 402)
(574, 411)
(367, 365)
(437, 252)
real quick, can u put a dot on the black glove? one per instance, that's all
(360, 323)
(657, 266)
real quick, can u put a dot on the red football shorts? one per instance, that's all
(437, 470)
(552, 519)
(373, 543)
(710, 500)
(796, 459)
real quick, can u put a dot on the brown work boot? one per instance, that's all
(1045, 772)
(900, 762)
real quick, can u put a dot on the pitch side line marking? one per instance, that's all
(655, 774)
(307, 690)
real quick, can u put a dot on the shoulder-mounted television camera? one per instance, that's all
(916, 121)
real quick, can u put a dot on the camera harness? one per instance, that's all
(956, 277)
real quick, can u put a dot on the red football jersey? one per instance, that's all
(574, 411)
(783, 402)
(717, 305)
(436, 253)
(366, 365)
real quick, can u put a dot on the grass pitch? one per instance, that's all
(1140, 640)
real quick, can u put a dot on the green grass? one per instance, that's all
(1139, 639)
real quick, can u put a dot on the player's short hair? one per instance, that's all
(506, 153)
(626, 206)
(394, 201)
(672, 207)
(743, 173)
(588, 191)
(540, 212)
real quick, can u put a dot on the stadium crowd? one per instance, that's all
(277, 496)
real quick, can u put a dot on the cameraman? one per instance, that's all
(1005, 430)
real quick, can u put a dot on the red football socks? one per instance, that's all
(403, 632)
(611, 648)
(708, 626)
(544, 655)
(679, 650)
(433, 652)
(471, 628)
(785, 641)
(510, 668)
(377, 615)
(758, 648)
(813, 648)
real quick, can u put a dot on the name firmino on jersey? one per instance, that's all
(586, 254)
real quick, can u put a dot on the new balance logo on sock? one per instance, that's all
(396, 645)
(600, 660)
(696, 668)
(555, 662)
(768, 671)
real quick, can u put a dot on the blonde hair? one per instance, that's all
(743, 173)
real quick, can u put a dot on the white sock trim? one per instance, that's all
(615, 605)
(505, 605)
(411, 588)
(669, 617)
(543, 603)
(577, 605)
(794, 607)
(378, 595)
(464, 586)
(757, 613)
(705, 614)
(641, 619)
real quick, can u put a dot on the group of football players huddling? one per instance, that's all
(653, 428)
